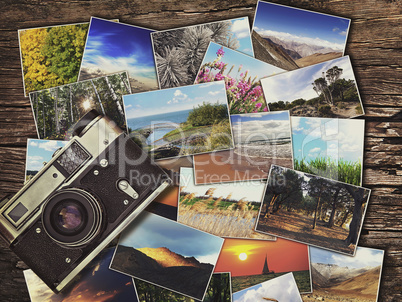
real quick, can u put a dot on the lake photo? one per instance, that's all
(180, 121)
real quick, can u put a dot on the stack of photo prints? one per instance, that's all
(257, 127)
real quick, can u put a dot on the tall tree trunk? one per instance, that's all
(115, 98)
(332, 217)
(354, 226)
(344, 218)
(269, 206)
(315, 212)
(71, 105)
(124, 82)
(56, 110)
(99, 99)
(43, 117)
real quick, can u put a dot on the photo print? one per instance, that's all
(44, 62)
(331, 148)
(225, 210)
(339, 277)
(313, 210)
(56, 110)
(167, 254)
(261, 139)
(112, 47)
(251, 262)
(179, 52)
(96, 282)
(39, 152)
(219, 290)
(180, 121)
(292, 38)
(280, 289)
(323, 90)
(241, 74)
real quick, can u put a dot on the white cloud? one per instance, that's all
(214, 92)
(212, 258)
(364, 257)
(49, 146)
(241, 28)
(35, 158)
(33, 143)
(314, 150)
(343, 33)
(307, 40)
(335, 29)
(129, 106)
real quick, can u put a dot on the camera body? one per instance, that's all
(80, 200)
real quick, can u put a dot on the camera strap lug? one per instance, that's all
(125, 187)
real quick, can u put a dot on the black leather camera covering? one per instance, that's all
(47, 258)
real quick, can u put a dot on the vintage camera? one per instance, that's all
(80, 200)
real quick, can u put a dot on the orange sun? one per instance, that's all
(242, 256)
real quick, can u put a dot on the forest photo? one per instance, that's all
(180, 121)
(331, 148)
(339, 278)
(323, 90)
(253, 262)
(51, 56)
(261, 139)
(56, 110)
(241, 74)
(280, 289)
(225, 210)
(219, 290)
(292, 38)
(179, 52)
(167, 254)
(113, 47)
(313, 210)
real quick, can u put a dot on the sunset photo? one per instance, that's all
(251, 262)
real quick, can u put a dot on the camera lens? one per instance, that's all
(72, 217)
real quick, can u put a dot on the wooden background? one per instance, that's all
(374, 45)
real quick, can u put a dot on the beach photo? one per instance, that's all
(343, 278)
(280, 289)
(219, 290)
(313, 210)
(112, 47)
(225, 210)
(241, 74)
(44, 62)
(251, 262)
(180, 121)
(323, 90)
(167, 254)
(331, 148)
(292, 38)
(56, 110)
(179, 52)
(261, 139)
(96, 282)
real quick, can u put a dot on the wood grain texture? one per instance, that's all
(374, 46)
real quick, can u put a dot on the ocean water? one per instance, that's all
(162, 124)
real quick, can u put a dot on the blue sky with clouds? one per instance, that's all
(288, 23)
(251, 190)
(232, 57)
(283, 288)
(296, 84)
(113, 47)
(39, 151)
(153, 231)
(364, 257)
(241, 30)
(326, 137)
(173, 99)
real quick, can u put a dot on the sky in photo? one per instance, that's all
(250, 190)
(173, 99)
(39, 151)
(364, 257)
(153, 231)
(283, 288)
(297, 84)
(113, 47)
(260, 126)
(255, 68)
(288, 23)
(327, 137)
(282, 256)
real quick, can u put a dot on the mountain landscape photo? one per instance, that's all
(306, 38)
(337, 278)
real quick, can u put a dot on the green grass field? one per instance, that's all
(242, 282)
(345, 171)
